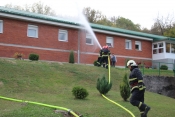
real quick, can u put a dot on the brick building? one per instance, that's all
(53, 39)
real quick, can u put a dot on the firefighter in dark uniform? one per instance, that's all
(99, 57)
(104, 59)
(137, 88)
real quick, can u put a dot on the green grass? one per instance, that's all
(157, 72)
(52, 82)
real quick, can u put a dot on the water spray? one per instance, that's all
(84, 22)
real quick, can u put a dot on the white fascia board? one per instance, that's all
(124, 35)
(70, 26)
(39, 20)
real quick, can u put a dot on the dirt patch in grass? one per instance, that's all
(1, 83)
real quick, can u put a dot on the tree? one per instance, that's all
(41, 9)
(105, 21)
(92, 15)
(71, 57)
(35, 8)
(103, 86)
(145, 30)
(124, 88)
(170, 33)
(162, 25)
(124, 23)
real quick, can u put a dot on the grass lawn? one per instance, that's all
(52, 82)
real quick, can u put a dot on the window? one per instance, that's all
(89, 39)
(109, 41)
(173, 48)
(170, 48)
(158, 48)
(63, 36)
(1, 26)
(167, 47)
(32, 31)
(155, 48)
(128, 44)
(138, 45)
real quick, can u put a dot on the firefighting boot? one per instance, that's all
(146, 111)
(142, 114)
(142, 108)
(104, 65)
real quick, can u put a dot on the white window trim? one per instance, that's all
(88, 36)
(110, 40)
(130, 44)
(140, 45)
(33, 27)
(157, 48)
(1, 26)
(66, 35)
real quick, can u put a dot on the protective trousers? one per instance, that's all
(137, 99)
(104, 59)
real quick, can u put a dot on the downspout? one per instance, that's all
(78, 46)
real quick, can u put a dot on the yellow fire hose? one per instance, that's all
(62, 108)
(111, 100)
(41, 104)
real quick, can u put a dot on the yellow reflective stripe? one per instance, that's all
(131, 79)
(141, 88)
(134, 87)
(105, 55)
(140, 81)
(140, 104)
(141, 112)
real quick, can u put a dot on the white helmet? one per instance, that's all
(132, 63)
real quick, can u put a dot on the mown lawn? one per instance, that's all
(52, 82)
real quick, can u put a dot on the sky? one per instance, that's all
(143, 12)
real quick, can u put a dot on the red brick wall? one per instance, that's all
(15, 32)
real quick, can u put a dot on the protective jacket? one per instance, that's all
(105, 52)
(136, 80)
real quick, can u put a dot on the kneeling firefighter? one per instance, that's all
(105, 54)
(137, 88)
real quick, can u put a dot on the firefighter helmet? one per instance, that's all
(105, 46)
(131, 63)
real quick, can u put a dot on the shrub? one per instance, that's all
(103, 85)
(95, 63)
(18, 55)
(71, 57)
(125, 89)
(79, 92)
(164, 67)
(34, 57)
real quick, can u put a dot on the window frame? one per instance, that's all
(156, 48)
(172, 50)
(32, 27)
(88, 36)
(110, 41)
(1, 26)
(139, 44)
(130, 44)
(168, 48)
(63, 32)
